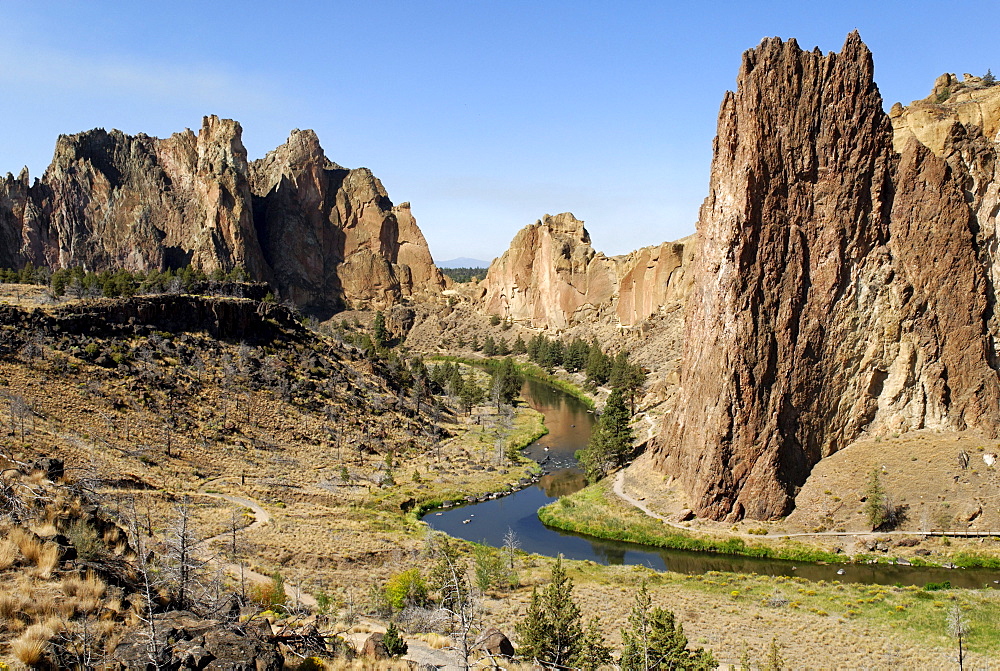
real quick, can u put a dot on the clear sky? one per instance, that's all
(485, 115)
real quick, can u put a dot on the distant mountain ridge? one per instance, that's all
(463, 262)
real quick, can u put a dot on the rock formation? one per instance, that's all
(323, 235)
(841, 286)
(551, 277)
(328, 231)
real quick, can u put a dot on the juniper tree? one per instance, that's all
(594, 650)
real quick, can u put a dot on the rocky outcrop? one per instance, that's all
(839, 288)
(185, 641)
(551, 277)
(331, 232)
(324, 236)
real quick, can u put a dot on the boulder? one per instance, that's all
(495, 643)
(374, 647)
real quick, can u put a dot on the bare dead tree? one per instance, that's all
(184, 559)
(148, 587)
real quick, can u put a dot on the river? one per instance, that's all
(569, 423)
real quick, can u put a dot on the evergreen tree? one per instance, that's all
(489, 346)
(394, 643)
(610, 443)
(533, 632)
(598, 364)
(380, 336)
(471, 394)
(507, 381)
(534, 347)
(655, 640)
(594, 650)
(503, 349)
(475, 343)
(520, 347)
(553, 355)
(627, 376)
(576, 355)
(550, 631)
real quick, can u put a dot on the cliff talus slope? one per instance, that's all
(840, 286)
(324, 236)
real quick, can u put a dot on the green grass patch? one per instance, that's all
(595, 511)
(916, 613)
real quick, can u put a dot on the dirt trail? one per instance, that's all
(619, 489)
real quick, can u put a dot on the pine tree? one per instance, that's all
(550, 631)
(380, 336)
(610, 443)
(520, 347)
(594, 650)
(655, 640)
(394, 643)
(598, 364)
(532, 632)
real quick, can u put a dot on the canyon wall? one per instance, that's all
(324, 236)
(841, 286)
(551, 277)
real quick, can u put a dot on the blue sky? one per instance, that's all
(484, 115)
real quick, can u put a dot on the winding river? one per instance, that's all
(569, 423)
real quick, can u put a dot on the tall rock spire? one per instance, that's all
(823, 287)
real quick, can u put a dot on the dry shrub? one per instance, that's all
(45, 604)
(92, 587)
(71, 585)
(8, 554)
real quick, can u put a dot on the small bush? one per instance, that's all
(394, 643)
(270, 595)
(84, 538)
(406, 589)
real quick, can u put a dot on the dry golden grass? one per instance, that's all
(11, 605)
(436, 641)
(87, 587)
(364, 665)
(9, 554)
(48, 559)
(27, 543)
(29, 648)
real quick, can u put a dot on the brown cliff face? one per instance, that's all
(551, 277)
(839, 288)
(111, 200)
(330, 232)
